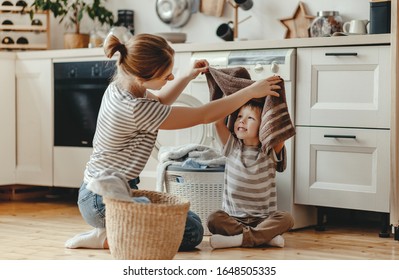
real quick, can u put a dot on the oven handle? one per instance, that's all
(77, 85)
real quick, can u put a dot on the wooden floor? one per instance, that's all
(37, 230)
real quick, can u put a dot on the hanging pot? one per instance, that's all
(175, 13)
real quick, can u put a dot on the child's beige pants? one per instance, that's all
(256, 231)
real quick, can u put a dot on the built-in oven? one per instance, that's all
(78, 90)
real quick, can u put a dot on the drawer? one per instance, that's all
(344, 87)
(344, 168)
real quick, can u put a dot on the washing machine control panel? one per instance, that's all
(260, 63)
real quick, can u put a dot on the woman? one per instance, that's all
(130, 117)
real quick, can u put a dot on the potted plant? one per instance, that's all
(72, 12)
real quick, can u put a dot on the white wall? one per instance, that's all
(264, 23)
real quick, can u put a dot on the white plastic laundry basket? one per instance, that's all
(202, 187)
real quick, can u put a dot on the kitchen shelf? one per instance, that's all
(23, 46)
(38, 36)
(27, 28)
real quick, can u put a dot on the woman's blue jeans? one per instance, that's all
(92, 209)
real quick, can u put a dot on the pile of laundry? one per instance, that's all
(188, 156)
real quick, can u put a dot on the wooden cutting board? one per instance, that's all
(212, 7)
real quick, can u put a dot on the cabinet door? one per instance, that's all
(7, 121)
(34, 122)
(344, 86)
(346, 168)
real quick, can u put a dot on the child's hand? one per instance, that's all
(200, 66)
(265, 87)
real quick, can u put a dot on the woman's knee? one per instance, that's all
(91, 208)
(193, 233)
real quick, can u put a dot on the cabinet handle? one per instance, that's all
(339, 136)
(341, 54)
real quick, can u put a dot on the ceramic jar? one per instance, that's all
(325, 24)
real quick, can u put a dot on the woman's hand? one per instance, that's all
(199, 66)
(265, 87)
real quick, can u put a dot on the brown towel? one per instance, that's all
(276, 125)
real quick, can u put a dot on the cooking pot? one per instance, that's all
(175, 13)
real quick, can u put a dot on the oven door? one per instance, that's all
(76, 106)
(78, 91)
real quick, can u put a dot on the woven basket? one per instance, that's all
(139, 231)
(202, 187)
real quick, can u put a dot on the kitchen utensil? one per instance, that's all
(212, 7)
(244, 4)
(173, 37)
(225, 31)
(175, 13)
(356, 26)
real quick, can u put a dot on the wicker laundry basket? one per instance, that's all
(202, 187)
(139, 231)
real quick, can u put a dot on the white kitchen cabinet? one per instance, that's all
(344, 86)
(34, 122)
(344, 168)
(7, 120)
(342, 156)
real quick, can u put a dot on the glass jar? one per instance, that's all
(326, 24)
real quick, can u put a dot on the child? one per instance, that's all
(130, 117)
(249, 217)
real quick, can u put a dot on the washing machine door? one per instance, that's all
(198, 134)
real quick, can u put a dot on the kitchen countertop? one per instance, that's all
(374, 39)
(7, 55)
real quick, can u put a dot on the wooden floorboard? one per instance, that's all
(37, 230)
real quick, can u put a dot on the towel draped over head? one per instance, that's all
(276, 125)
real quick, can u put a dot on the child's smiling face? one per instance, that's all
(246, 126)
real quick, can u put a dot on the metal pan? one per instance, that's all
(175, 13)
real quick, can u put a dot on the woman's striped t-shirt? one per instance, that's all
(250, 187)
(126, 132)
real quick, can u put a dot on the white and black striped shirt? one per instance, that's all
(250, 187)
(126, 132)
